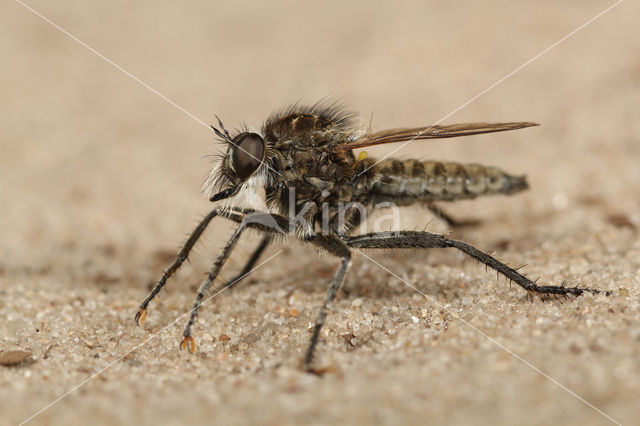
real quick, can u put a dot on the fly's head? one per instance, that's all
(244, 170)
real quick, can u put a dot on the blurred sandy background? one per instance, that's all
(99, 185)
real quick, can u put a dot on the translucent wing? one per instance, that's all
(430, 132)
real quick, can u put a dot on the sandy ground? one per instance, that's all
(99, 185)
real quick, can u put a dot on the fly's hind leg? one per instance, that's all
(451, 221)
(413, 239)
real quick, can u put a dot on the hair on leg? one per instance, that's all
(414, 239)
(337, 247)
(259, 220)
(182, 256)
(250, 263)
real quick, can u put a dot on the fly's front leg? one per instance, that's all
(412, 239)
(250, 220)
(141, 315)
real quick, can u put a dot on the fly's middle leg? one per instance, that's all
(337, 247)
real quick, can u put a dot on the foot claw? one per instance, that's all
(140, 317)
(320, 371)
(316, 371)
(188, 343)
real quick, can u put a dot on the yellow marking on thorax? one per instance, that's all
(361, 156)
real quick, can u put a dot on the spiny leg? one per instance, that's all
(443, 215)
(273, 223)
(413, 239)
(247, 267)
(330, 243)
(250, 220)
(250, 263)
(336, 247)
(276, 224)
(182, 256)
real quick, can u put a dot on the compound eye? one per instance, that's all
(247, 154)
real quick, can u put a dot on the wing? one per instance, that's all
(430, 132)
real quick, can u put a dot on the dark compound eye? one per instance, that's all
(247, 154)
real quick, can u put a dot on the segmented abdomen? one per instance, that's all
(434, 181)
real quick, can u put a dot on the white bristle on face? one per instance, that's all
(251, 195)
